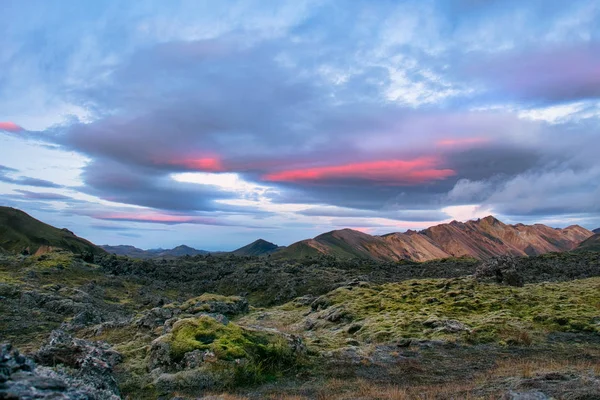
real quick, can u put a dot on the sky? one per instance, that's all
(215, 123)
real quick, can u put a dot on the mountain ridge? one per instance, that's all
(21, 233)
(482, 238)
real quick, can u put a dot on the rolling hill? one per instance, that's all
(482, 238)
(259, 247)
(21, 233)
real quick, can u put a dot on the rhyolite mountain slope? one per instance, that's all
(21, 233)
(259, 247)
(134, 252)
(481, 238)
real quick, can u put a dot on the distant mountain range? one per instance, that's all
(259, 247)
(21, 233)
(481, 239)
(597, 230)
(134, 252)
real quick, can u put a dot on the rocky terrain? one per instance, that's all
(102, 326)
(319, 328)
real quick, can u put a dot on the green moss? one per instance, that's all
(482, 312)
(201, 303)
(53, 260)
(258, 356)
(491, 312)
(228, 342)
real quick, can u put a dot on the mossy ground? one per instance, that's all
(489, 312)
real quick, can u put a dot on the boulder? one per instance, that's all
(20, 379)
(88, 362)
(503, 269)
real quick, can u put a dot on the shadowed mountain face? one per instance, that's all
(134, 252)
(483, 238)
(21, 233)
(597, 230)
(590, 244)
(259, 247)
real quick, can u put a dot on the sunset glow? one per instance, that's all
(9, 126)
(398, 172)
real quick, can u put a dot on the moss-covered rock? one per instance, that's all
(234, 354)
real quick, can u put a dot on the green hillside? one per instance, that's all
(21, 233)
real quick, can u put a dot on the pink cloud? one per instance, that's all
(400, 172)
(9, 126)
(461, 142)
(210, 164)
(155, 218)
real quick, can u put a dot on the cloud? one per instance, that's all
(550, 75)
(9, 127)
(165, 219)
(26, 194)
(392, 172)
(563, 190)
(399, 215)
(122, 183)
(24, 180)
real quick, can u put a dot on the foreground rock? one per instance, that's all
(208, 352)
(20, 379)
(217, 306)
(82, 362)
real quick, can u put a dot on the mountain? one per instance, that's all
(259, 247)
(125, 250)
(597, 230)
(134, 252)
(592, 243)
(21, 233)
(481, 238)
